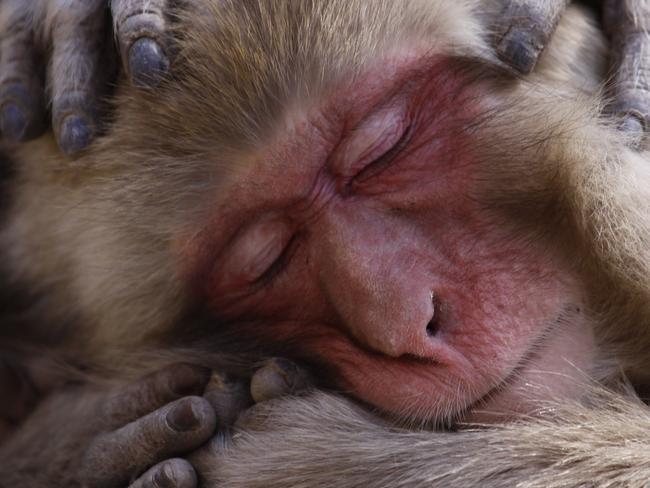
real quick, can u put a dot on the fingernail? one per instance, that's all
(278, 377)
(165, 477)
(221, 382)
(75, 135)
(632, 124)
(189, 380)
(634, 127)
(519, 50)
(147, 63)
(295, 377)
(13, 123)
(287, 368)
(183, 417)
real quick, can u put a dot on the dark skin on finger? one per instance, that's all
(626, 24)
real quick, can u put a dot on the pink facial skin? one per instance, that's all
(359, 234)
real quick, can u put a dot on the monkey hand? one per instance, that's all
(238, 406)
(525, 27)
(75, 38)
(83, 436)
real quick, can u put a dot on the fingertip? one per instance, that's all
(519, 50)
(21, 113)
(631, 111)
(74, 135)
(191, 414)
(632, 124)
(148, 63)
(188, 379)
(278, 377)
(184, 417)
(175, 473)
(13, 123)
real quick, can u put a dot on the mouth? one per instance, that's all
(448, 391)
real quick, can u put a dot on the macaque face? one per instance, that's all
(361, 234)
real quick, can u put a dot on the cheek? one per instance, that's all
(502, 294)
(505, 295)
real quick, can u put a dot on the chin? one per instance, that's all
(557, 369)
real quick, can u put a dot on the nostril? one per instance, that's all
(432, 326)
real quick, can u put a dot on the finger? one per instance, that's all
(523, 30)
(22, 104)
(278, 377)
(77, 71)
(628, 25)
(172, 430)
(140, 29)
(173, 473)
(228, 397)
(154, 391)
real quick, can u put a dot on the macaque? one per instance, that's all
(363, 188)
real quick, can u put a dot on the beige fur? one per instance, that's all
(95, 235)
(324, 441)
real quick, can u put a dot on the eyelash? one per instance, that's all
(378, 165)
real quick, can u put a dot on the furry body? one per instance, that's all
(72, 237)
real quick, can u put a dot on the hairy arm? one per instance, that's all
(326, 440)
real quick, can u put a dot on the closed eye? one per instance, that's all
(257, 254)
(279, 265)
(378, 165)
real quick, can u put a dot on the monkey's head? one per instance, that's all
(356, 183)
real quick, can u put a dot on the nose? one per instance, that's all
(384, 307)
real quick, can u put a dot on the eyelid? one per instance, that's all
(254, 252)
(374, 136)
